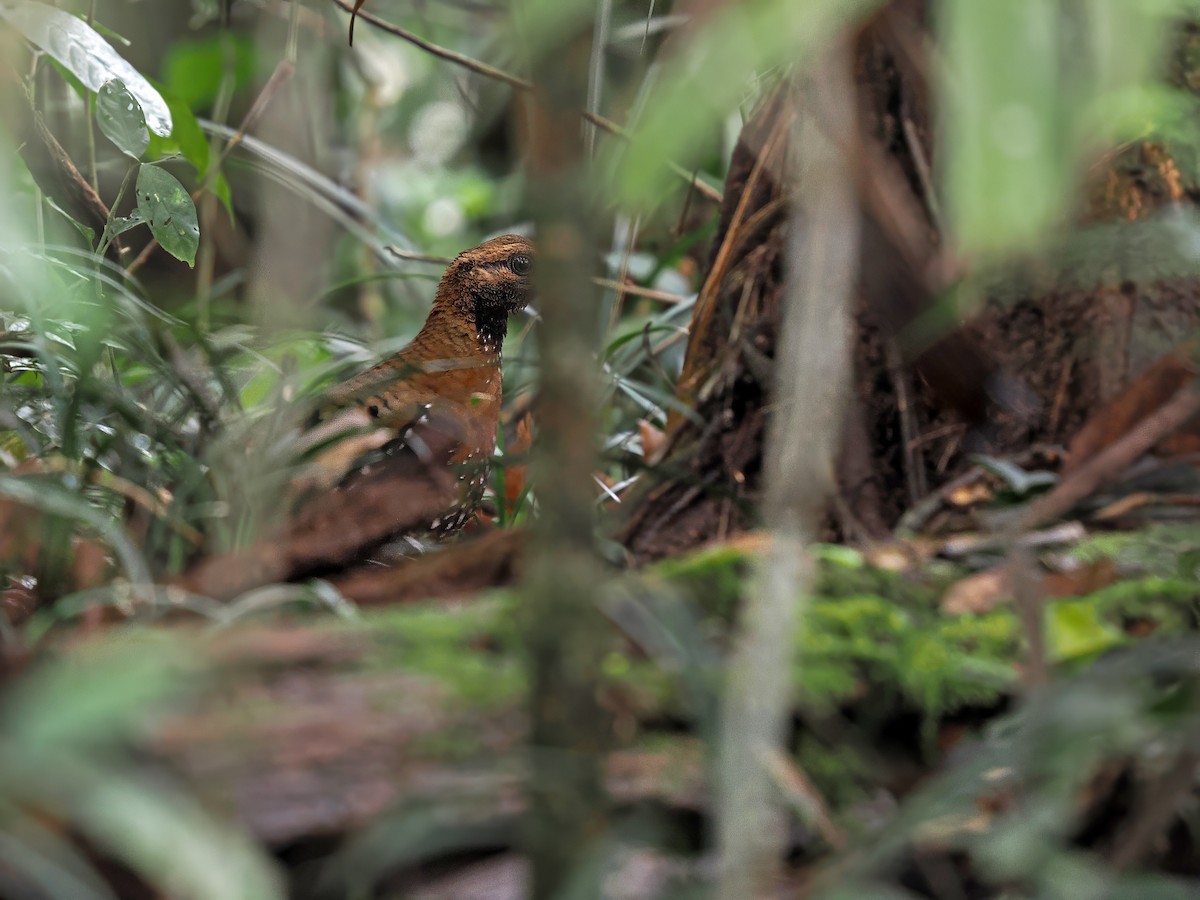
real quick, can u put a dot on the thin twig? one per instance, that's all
(914, 459)
(514, 81)
(452, 56)
(800, 790)
(1154, 815)
(1101, 468)
(924, 171)
(283, 71)
(639, 291)
(812, 380)
(632, 289)
(413, 256)
(1113, 459)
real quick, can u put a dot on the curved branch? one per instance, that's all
(514, 81)
(459, 59)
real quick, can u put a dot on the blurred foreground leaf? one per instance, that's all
(69, 728)
(1031, 87)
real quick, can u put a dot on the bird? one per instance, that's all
(450, 372)
(402, 448)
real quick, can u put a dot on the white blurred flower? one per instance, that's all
(444, 216)
(438, 131)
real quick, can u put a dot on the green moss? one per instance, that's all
(1162, 550)
(713, 576)
(873, 646)
(870, 650)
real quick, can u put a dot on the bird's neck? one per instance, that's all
(491, 327)
(466, 333)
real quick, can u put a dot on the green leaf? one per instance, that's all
(87, 55)
(189, 137)
(194, 71)
(1074, 629)
(170, 840)
(99, 696)
(1016, 478)
(55, 498)
(120, 117)
(169, 211)
(1007, 168)
(122, 224)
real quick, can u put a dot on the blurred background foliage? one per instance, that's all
(150, 405)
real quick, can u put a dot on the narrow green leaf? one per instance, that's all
(120, 117)
(54, 498)
(170, 212)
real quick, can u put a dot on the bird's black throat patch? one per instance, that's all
(491, 324)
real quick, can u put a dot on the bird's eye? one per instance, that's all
(520, 264)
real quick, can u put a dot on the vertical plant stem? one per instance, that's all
(93, 173)
(600, 36)
(812, 371)
(565, 636)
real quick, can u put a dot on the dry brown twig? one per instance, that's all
(514, 81)
(283, 71)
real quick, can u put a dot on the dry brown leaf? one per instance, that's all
(653, 438)
(1081, 581)
(979, 593)
(970, 494)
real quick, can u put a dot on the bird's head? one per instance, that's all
(494, 279)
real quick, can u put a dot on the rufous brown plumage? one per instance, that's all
(415, 434)
(451, 369)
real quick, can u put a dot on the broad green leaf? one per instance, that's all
(169, 211)
(188, 135)
(81, 49)
(120, 117)
(1007, 168)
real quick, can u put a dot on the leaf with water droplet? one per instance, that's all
(120, 117)
(169, 212)
(80, 49)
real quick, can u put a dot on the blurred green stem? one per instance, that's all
(812, 370)
(110, 233)
(567, 822)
